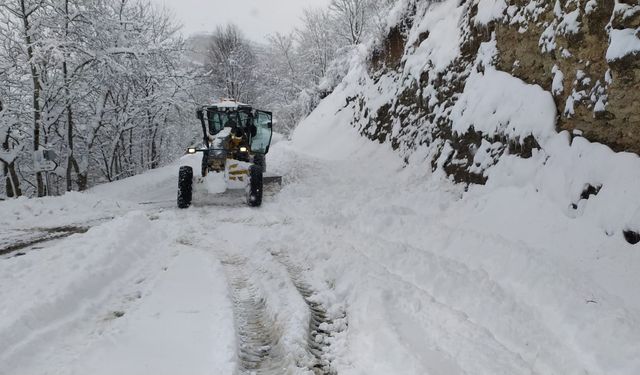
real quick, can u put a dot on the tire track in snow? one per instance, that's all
(534, 338)
(26, 238)
(322, 327)
(41, 236)
(259, 349)
(474, 333)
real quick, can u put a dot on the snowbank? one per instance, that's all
(55, 292)
(496, 103)
(528, 273)
(327, 133)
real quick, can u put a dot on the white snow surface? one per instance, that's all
(228, 103)
(505, 278)
(440, 21)
(519, 276)
(557, 87)
(623, 42)
(495, 103)
(489, 10)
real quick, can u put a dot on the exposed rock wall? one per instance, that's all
(569, 43)
(585, 53)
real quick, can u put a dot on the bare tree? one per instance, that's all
(352, 18)
(232, 63)
(107, 83)
(25, 11)
(317, 42)
(299, 69)
(8, 156)
(101, 82)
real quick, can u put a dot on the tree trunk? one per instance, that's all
(12, 183)
(72, 164)
(36, 92)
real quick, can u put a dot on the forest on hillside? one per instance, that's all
(106, 89)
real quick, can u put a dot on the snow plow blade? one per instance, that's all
(272, 180)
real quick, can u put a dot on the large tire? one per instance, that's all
(185, 186)
(260, 160)
(254, 193)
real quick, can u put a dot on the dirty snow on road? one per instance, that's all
(358, 264)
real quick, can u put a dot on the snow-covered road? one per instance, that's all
(400, 272)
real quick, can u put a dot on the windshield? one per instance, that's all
(218, 120)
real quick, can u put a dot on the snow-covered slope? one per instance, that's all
(583, 52)
(546, 285)
(415, 274)
(452, 86)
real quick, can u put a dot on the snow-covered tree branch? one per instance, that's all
(89, 79)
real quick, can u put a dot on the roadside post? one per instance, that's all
(45, 160)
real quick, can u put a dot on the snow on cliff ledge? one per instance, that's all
(495, 102)
(623, 43)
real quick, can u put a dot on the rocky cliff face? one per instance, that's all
(597, 82)
(470, 80)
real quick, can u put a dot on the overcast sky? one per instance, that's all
(256, 18)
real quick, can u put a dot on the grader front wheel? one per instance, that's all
(254, 193)
(185, 186)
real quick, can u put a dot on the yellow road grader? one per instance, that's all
(236, 140)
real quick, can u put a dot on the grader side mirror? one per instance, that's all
(199, 114)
